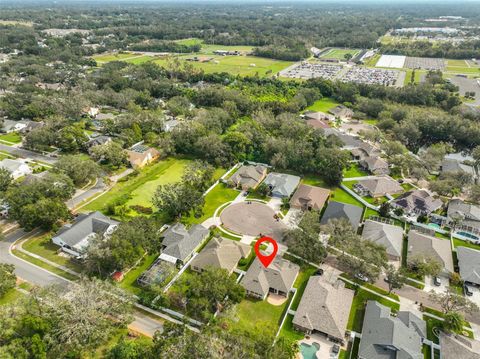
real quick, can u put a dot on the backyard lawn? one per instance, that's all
(12, 137)
(129, 282)
(215, 198)
(339, 195)
(459, 243)
(354, 171)
(323, 105)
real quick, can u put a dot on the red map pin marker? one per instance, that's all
(266, 260)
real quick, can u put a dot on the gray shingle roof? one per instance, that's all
(180, 243)
(469, 264)
(11, 165)
(324, 307)
(439, 249)
(391, 237)
(279, 275)
(343, 210)
(458, 347)
(375, 164)
(451, 165)
(469, 213)
(386, 337)
(221, 253)
(282, 184)
(418, 199)
(382, 185)
(249, 176)
(84, 226)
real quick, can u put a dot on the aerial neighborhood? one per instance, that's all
(240, 181)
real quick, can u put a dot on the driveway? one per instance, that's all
(430, 285)
(476, 295)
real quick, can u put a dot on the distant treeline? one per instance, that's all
(464, 50)
(282, 53)
(165, 46)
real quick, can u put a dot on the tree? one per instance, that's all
(394, 277)
(8, 279)
(6, 179)
(111, 153)
(450, 301)
(198, 175)
(454, 322)
(178, 199)
(348, 56)
(424, 265)
(81, 170)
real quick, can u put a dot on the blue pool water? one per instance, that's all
(309, 351)
(468, 235)
(434, 225)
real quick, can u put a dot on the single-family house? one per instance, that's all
(417, 202)
(439, 249)
(97, 141)
(247, 177)
(375, 165)
(341, 112)
(343, 210)
(378, 187)
(179, 243)
(74, 238)
(317, 115)
(459, 162)
(387, 235)
(324, 309)
(364, 150)
(31, 125)
(316, 124)
(140, 155)
(17, 168)
(308, 197)
(385, 336)
(8, 126)
(453, 346)
(469, 264)
(169, 125)
(277, 278)
(281, 184)
(465, 218)
(221, 253)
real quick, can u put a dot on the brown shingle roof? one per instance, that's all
(309, 197)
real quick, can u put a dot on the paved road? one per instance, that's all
(20, 152)
(41, 277)
(83, 196)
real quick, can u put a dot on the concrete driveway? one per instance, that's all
(430, 285)
(476, 295)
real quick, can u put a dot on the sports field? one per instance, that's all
(323, 105)
(466, 67)
(210, 48)
(339, 53)
(128, 57)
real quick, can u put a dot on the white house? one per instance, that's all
(17, 168)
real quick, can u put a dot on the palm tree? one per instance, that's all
(453, 322)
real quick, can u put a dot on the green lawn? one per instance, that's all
(139, 189)
(12, 137)
(314, 180)
(215, 198)
(210, 48)
(114, 57)
(139, 60)
(323, 105)
(339, 195)
(129, 282)
(236, 65)
(44, 265)
(459, 243)
(11, 297)
(354, 171)
(339, 53)
(357, 312)
(42, 245)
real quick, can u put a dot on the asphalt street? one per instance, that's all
(20, 152)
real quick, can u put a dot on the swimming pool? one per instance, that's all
(309, 351)
(468, 235)
(434, 225)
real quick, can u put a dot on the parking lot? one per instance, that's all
(307, 70)
(424, 63)
(467, 85)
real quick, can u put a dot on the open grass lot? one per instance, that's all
(323, 105)
(214, 199)
(11, 297)
(339, 53)
(372, 61)
(140, 188)
(416, 78)
(210, 48)
(237, 65)
(129, 282)
(139, 60)
(12, 137)
(459, 243)
(357, 312)
(42, 245)
(115, 57)
(354, 171)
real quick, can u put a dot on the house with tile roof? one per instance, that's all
(75, 238)
(281, 184)
(324, 309)
(277, 278)
(308, 197)
(388, 337)
(221, 253)
(343, 210)
(469, 264)
(247, 177)
(179, 243)
(437, 248)
(387, 235)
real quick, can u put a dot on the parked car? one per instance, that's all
(335, 349)
(319, 271)
(362, 277)
(467, 290)
(437, 281)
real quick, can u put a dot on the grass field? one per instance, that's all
(129, 282)
(462, 67)
(11, 297)
(459, 243)
(139, 189)
(215, 198)
(115, 57)
(323, 105)
(210, 48)
(354, 171)
(237, 65)
(12, 137)
(339, 53)
(417, 76)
